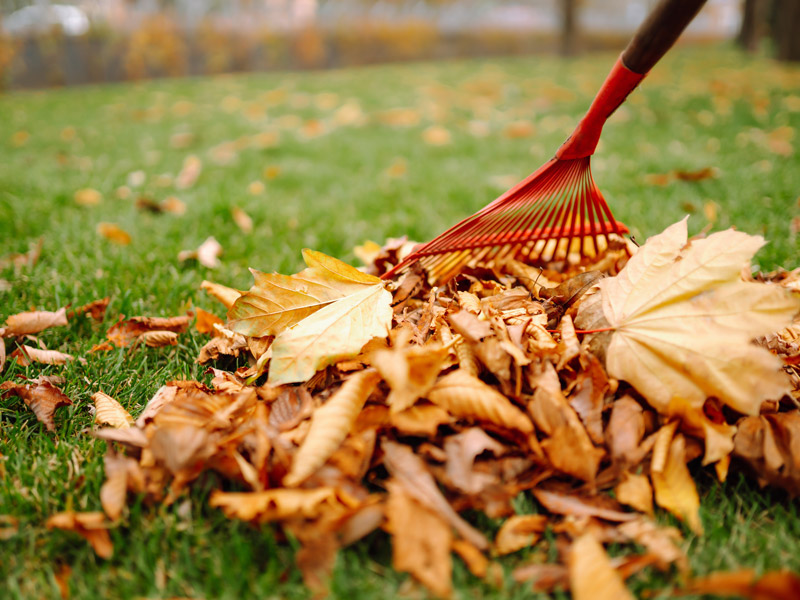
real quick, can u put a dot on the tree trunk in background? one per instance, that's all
(569, 33)
(755, 15)
(787, 29)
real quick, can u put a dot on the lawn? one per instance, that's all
(327, 160)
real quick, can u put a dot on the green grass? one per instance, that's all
(702, 107)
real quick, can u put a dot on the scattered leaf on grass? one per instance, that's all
(110, 412)
(207, 254)
(88, 197)
(242, 219)
(41, 396)
(224, 294)
(26, 323)
(114, 233)
(675, 489)
(27, 355)
(192, 167)
(772, 585)
(91, 526)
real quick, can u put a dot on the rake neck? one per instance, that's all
(620, 82)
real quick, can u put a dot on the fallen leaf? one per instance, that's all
(682, 313)
(158, 339)
(565, 504)
(281, 503)
(114, 233)
(436, 135)
(518, 532)
(410, 372)
(336, 332)
(635, 491)
(276, 302)
(205, 321)
(409, 470)
(207, 254)
(41, 396)
(89, 525)
(26, 355)
(461, 451)
(26, 323)
(476, 561)
(242, 219)
(88, 197)
(675, 489)
(421, 541)
(192, 167)
(110, 412)
(467, 397)
(330, 424)
(224, 294)
(770, 446)
(591, 575)
(773, 585)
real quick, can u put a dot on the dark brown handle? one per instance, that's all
(658, 32)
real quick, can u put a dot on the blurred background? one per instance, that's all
(53, 43)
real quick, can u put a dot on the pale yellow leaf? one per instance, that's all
(242, 219)
(192, 167)
(591, 575)
(114, 233)
(277, 301)
(683, 321)
(635, 491)
(675, 489)
(110, 412)
(333, 333)
(330, 424)
(465, 396)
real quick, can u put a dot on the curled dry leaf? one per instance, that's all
(410, 372)
(467, 397)
(158, 339)
(26, 355)
(591, 575)
(110, 412)
(576, 506)
(421, 541)
(330, 425)
(410, 471)
(41, 396)
(770, 446)
(26, 323)
(683, 320)
(461, 451)
(518, 532)
(89, 525)
(122, 473)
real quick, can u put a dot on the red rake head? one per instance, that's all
(556, 213)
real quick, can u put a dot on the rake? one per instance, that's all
(558, 212)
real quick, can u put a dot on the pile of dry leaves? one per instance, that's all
(400, 406)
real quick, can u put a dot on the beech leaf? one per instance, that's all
(683, 320)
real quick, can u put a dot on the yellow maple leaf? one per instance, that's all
(277, 301)
(683, 320)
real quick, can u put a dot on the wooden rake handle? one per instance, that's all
(650, 42)
(658, 33)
